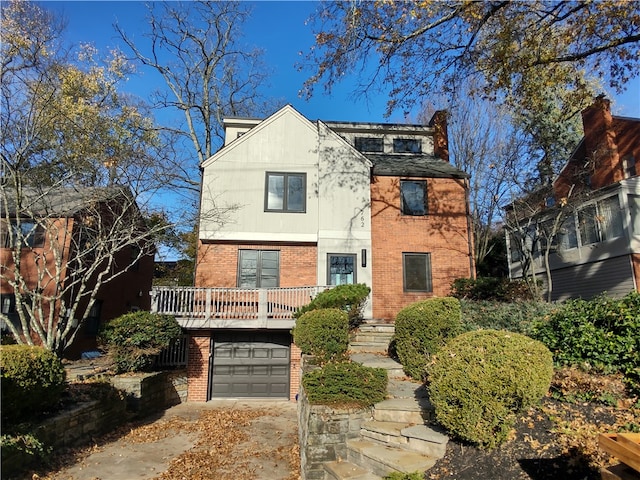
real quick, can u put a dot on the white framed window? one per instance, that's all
(285, 192)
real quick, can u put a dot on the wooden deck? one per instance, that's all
(198, 307)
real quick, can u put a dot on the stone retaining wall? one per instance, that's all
(323, 433)
(150, 392)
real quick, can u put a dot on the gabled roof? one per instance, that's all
(62, 201)
(413, 165)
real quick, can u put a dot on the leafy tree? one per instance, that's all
(425, 47)
(72, 149)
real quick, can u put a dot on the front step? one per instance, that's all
(417, 438)
(393, 368)
(406, 410)
(372, 337)
(382, 459)
(347, 471)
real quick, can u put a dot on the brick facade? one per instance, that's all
(296, 372)
(443, 233)
(198, 367)
(218, 263)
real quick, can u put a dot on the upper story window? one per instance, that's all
(629, 165)
(413, 197)
(370, 144)
(600, 221)
(285, 192)
(407, 145)
(29, 233)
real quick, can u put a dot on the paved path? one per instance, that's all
(269, 440)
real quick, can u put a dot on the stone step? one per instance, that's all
(347, 471)
(371, 338)
(406, 410)
(377, 327)
(405, 388)
(365, 347)
(383, 459)
(393, 368)
(417, 438)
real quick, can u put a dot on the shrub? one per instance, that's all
(601, 334)
(490, 288)
(421, 329)
(323, 333)
(480, 380)
(516, 317)
(348, 298)
(345, 384)
(32, 378)
(134, 339)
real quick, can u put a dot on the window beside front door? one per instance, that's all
(285, 192)
(258, 268)
(341, 269)
(413, 196)
(416, 269)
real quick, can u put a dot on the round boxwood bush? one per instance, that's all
(345, 384)
(134, 339)
(32, 378)
(480, 380)
(349, 298)
(323, 333)
(421, 329)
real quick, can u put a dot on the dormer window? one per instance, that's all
(407, 145)
(369, 144)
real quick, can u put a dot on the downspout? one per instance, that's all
(470, 240)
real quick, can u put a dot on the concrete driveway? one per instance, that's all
(224, 439)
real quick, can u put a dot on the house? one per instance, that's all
(596, 200)
(62, 240)
(290, 207)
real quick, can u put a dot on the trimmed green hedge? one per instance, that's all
(516, 317)
(481, 380)
(345, 384)
(497, 289)
(348, 298)
(134, 339)
(421, 329)
(601, 334)
(32, 379)
(323, 333)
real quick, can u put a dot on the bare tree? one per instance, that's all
(78, 163)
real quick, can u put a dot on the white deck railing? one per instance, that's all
(231, 303)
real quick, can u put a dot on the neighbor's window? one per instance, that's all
(341, 269)
(417, 272)
(629, 165)
(600, 221)
(258, 268)
(369, 144)
(407, 145)
(29, 233)
(413, 196)
(285, 192)
(567, 234)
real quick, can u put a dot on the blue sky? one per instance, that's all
(279, 28)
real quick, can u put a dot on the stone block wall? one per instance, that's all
(151, 392)
(323, 433)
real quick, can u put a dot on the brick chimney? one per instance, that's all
(440, 136)
(600, 142)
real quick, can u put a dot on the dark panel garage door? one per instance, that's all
(249, 364)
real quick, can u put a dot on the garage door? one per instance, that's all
(250, 364)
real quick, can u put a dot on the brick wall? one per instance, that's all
(218, 264)
(296, 372)
(442, 233)
(198, 367)
(635, 261)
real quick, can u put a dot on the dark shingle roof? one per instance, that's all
(413, 166)
(61, 201)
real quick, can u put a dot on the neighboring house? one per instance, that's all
(309, 205)
(60, 233)
(597, 193)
